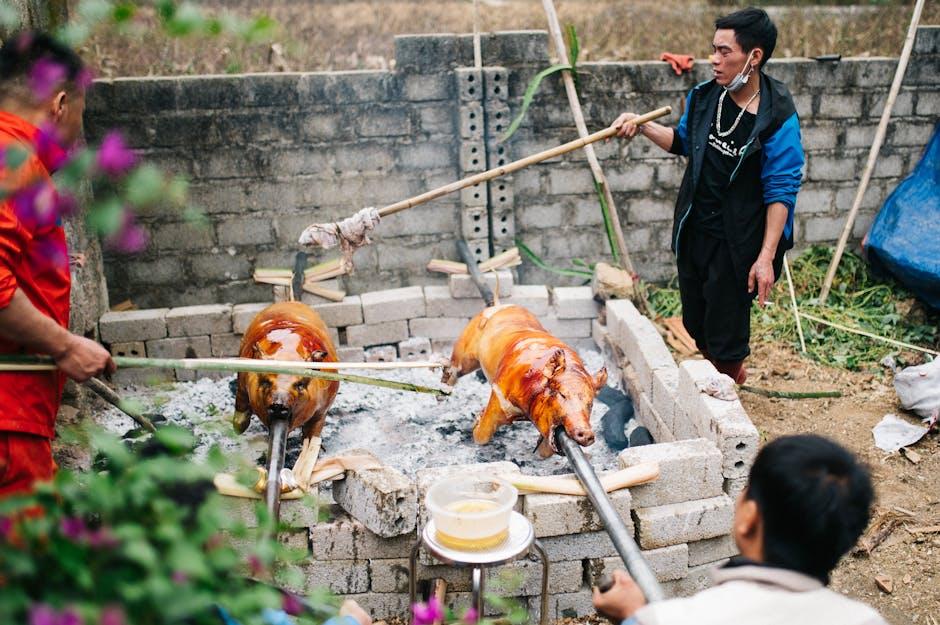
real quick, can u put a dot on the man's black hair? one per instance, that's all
(752, 28)
(814, 499)
(21, 52)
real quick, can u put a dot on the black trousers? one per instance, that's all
(716, 309)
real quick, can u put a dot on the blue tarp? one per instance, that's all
(905, 238)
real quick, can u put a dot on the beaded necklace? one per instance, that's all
(721, 101)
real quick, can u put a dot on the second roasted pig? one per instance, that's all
(533, 374)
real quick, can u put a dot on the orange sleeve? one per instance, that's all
(14, 237)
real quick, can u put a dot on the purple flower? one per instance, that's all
(102, 538)
(73, 527)
(179, 577)
(57, 255)
(49, 149)
(255, 566)
(65, 204)
(44, 77)
(130, 238)
(69, 616)
(42, 614)
(470, 616)
(6, 527)
(114, 157)
(291, 604)
(112, 615)
(426, 614)
(35, 205)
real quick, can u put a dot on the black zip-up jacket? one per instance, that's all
(769, 170)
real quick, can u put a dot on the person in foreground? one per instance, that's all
(41, 102)
(806, 503)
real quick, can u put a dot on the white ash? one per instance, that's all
(406, 430)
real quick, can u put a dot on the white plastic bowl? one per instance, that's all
(471, 513)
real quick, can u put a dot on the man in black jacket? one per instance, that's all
(734, 214)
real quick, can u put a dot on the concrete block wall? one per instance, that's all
(269, 154)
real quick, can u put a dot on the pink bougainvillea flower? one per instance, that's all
(179, 577)
(102, 538)
(470, 616)
(255, 565)
(112, 615)
(44, 77)
(42, 614)
(35, 205)
(70, 617)
(6, 527)
(73, 527)
(114, 157)
(57, 255)
(291, 604)
(84, 78)
(49, 149)
(426, 614)
(130, 238)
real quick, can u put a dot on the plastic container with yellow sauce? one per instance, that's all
(471, 513)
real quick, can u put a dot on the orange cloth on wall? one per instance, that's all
(34, 259)
(680, 62)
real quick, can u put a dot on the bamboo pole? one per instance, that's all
(554, 29)
(885, 339)
(790, 394)
(233, 365)
(509, 168)
(796, 310)
(873, 152)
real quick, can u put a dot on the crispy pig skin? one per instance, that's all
(287, 331)
(533, 374)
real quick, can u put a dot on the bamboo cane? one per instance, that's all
(789, 394)
(796, 310)
(885, 339)
(522, 163)
(234, 365)
(873, 152)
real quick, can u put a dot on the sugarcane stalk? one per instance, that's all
(790, 394)
(234, 365)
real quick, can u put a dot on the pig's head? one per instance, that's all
(565, 399)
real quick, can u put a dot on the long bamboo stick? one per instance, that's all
(839, 326)
(509, 168)
(234, 365)
(873, 152)
(796, 309)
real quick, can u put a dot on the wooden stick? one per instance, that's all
(554, 29)
(790, 394)
(516, 165)
(869, 334)
(631, 476)
(234, 365)
(106, 393)
(873, 152)
(796, 310)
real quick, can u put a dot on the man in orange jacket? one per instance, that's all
(42, 98)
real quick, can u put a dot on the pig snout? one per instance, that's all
(280, 407)
(582, 436)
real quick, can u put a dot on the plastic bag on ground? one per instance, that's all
(918, 388)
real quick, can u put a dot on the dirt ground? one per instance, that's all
(907, 491)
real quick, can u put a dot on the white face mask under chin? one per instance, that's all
(741, 78)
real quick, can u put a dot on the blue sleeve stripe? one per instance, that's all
(682, 130)
(782, 168)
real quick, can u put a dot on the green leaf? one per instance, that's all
(104, 218)
(75, 173)
(15, 156)
(123, 12)
(177, 191)
(608, 221)
(144, 186)
(186, 20)
(529, 94)
(543, 265)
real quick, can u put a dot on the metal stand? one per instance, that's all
(520, 540)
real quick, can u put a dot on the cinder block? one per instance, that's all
(652, 420)
(134, 349)
(295, 513)
(712, 550)
(377, 333)
(554, 515)
(224, 345)
(697, 580)
(471, 121)
(381, 353)
(473, 196)
(297, 541)
(133, 325)
(383, 605)
(351, 354)
(469, 84)
(312, 299)
(442, 347)
(341, 314)
(667, 563)
(244, 314)
(676, 523)
(599, 334)
(182, 347)
(722, 421)
(567, 605)
(345, 538)
(578, 546)
(415, 348)
(474, 223)
(688, 470)
(199, 320)
(141, 377)
(620, 312)
(338, 576)
(574, 302)
(440, 303)
(462, 286)
(733, 487)
(645, 349)
(393, 305)
(567, 328)
(438, 327)
(665, 394)
(382, 499)
(532, 297)
(472, 157)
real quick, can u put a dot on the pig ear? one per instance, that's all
(555, 364)
(256, 351)
(317, 356)
(600, 379)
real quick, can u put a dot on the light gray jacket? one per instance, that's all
(759, 595)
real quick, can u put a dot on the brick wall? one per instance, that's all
(270, 153)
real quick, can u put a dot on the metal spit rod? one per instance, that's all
(624, 544)
(277, 450)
